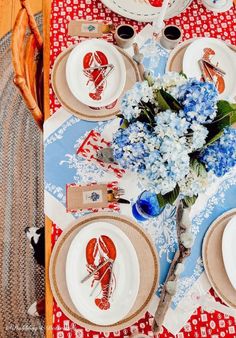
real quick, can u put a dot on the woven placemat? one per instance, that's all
(72, 105)
(213, 259)
(21, 205)
(148, 263)
(175, 60)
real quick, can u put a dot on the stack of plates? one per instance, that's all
(185, 57)
(73, 85)
(135, 272)
(219, 256)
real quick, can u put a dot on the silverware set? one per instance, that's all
(110, 266)
(206, 66)
(104, 71)
(115, 196)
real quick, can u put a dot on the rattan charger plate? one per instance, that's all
(175, 60)
(148, 262)
(213, 259)
(74, 106)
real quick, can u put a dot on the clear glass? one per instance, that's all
(146, 206)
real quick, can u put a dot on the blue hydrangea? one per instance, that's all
(199, 101)
(129, 148)
(220, 157)
(159, 155)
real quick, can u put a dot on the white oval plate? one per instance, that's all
(78, 82)
(141, 11)
(125, 269)
(229, 250)
(224, 56)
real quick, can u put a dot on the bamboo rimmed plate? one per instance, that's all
(175, 60)
(148, 265)
(74, 106)
(213, 259)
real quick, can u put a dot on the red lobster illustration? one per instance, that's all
(97, 251)
(96, 76)
(218, 79)
(155, 3)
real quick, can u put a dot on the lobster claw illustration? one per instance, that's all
(98, 250)
(155, 3)
(95, 76)
(218, 78)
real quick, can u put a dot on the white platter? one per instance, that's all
(141, 11)
(126, 274)
(79, 83)
(220, 54)
(229, 250)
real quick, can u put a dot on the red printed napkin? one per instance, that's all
(89, 148)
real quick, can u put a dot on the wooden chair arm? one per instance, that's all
(32, 23)
(23, 58)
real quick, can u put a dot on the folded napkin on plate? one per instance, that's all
(89, 148)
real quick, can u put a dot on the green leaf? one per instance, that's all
(198, 167)
(226, 116)
(148, 77)
(189, 201)
(162, 202)
(148, 115)
(161, 101)
(124, 124)
(120, 116)
(183, 74)
(167, 101)
(224, 108)
(168, 198)
(214, 138)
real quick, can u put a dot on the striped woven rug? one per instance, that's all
(21, 205)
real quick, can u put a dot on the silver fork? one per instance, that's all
(98, 282)
(104, 79)
(96, 270)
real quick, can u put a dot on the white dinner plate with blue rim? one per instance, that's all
(140, 10)
(229, 250)
(90, 241)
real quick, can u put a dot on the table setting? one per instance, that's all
(140, 168)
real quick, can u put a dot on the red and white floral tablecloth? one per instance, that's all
(195, 21)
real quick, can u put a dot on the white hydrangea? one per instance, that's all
(197, 138)
(193, 184)
(170, 82)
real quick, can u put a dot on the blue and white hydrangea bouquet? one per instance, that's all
(177, 135)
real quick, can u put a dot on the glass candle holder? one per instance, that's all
(146, 206)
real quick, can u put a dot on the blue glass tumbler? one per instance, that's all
(146, 206)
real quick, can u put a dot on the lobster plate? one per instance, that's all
(107, 296)
(96, 73)
(219, 54)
